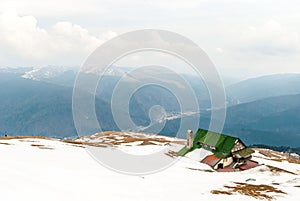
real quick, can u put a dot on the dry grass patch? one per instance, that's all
(147, 143)
(256, 191)
(172, 154)
(293, 160)
(24, 137)
(5, 143)
(83, 144)
(278, 156)
(271, 153)
(41, 146)
(202, 171)
(118, 138)
(111, 138)
(220, 192)
(27, 141)
(277, 170)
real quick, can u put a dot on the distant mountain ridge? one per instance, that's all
(263, 87)
(257, 112)
(273, 121)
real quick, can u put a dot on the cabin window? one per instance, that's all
(206, 146)
(238, 146)
(220, 166)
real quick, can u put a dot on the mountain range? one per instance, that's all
(263, 110)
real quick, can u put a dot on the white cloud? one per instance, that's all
(175, 4)
(54, 7)
(64, 42)
(237, 34)
(219, 50)
(271, 38)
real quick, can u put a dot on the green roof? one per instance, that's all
(183, 151)
(223, 144)
(220, 144)
(243, 153)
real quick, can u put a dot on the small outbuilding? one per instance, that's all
(227, 152)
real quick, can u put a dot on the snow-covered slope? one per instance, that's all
(42, 73)
(48, 72)
(49, 169)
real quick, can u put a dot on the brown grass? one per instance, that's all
(73, 142)
(41, 146)
(293, 160)
(5, 143)
(147, 143)
(23, 137)
(114, 138)
(278, 156)
(279, 170)
(172, 154)
(27, 141)
(201, 170)
(83, 144)
(221, 192)
(110, 138)
(256, 191)
(270, 153)
(145, 139)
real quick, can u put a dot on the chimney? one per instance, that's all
(190, 139)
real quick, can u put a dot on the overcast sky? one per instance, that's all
(244, 38)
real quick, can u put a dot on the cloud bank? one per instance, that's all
(64, 42)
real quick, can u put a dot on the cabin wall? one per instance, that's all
(226, 162)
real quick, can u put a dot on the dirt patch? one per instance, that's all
(256, 191)
(293, 160)
(278, 156)
(27, 141)
(172, 154)
(270, 153)
(24, 137)
(220, 192)
(83, 144)
(41, 146)
(80, 146)
(201, 170)
(277, 170)
(5, 143)
(147, 143)
(117, 138)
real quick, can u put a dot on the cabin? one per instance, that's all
(227, 152)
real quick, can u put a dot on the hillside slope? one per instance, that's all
(49, 169)
(263, 87)
(273, 121)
